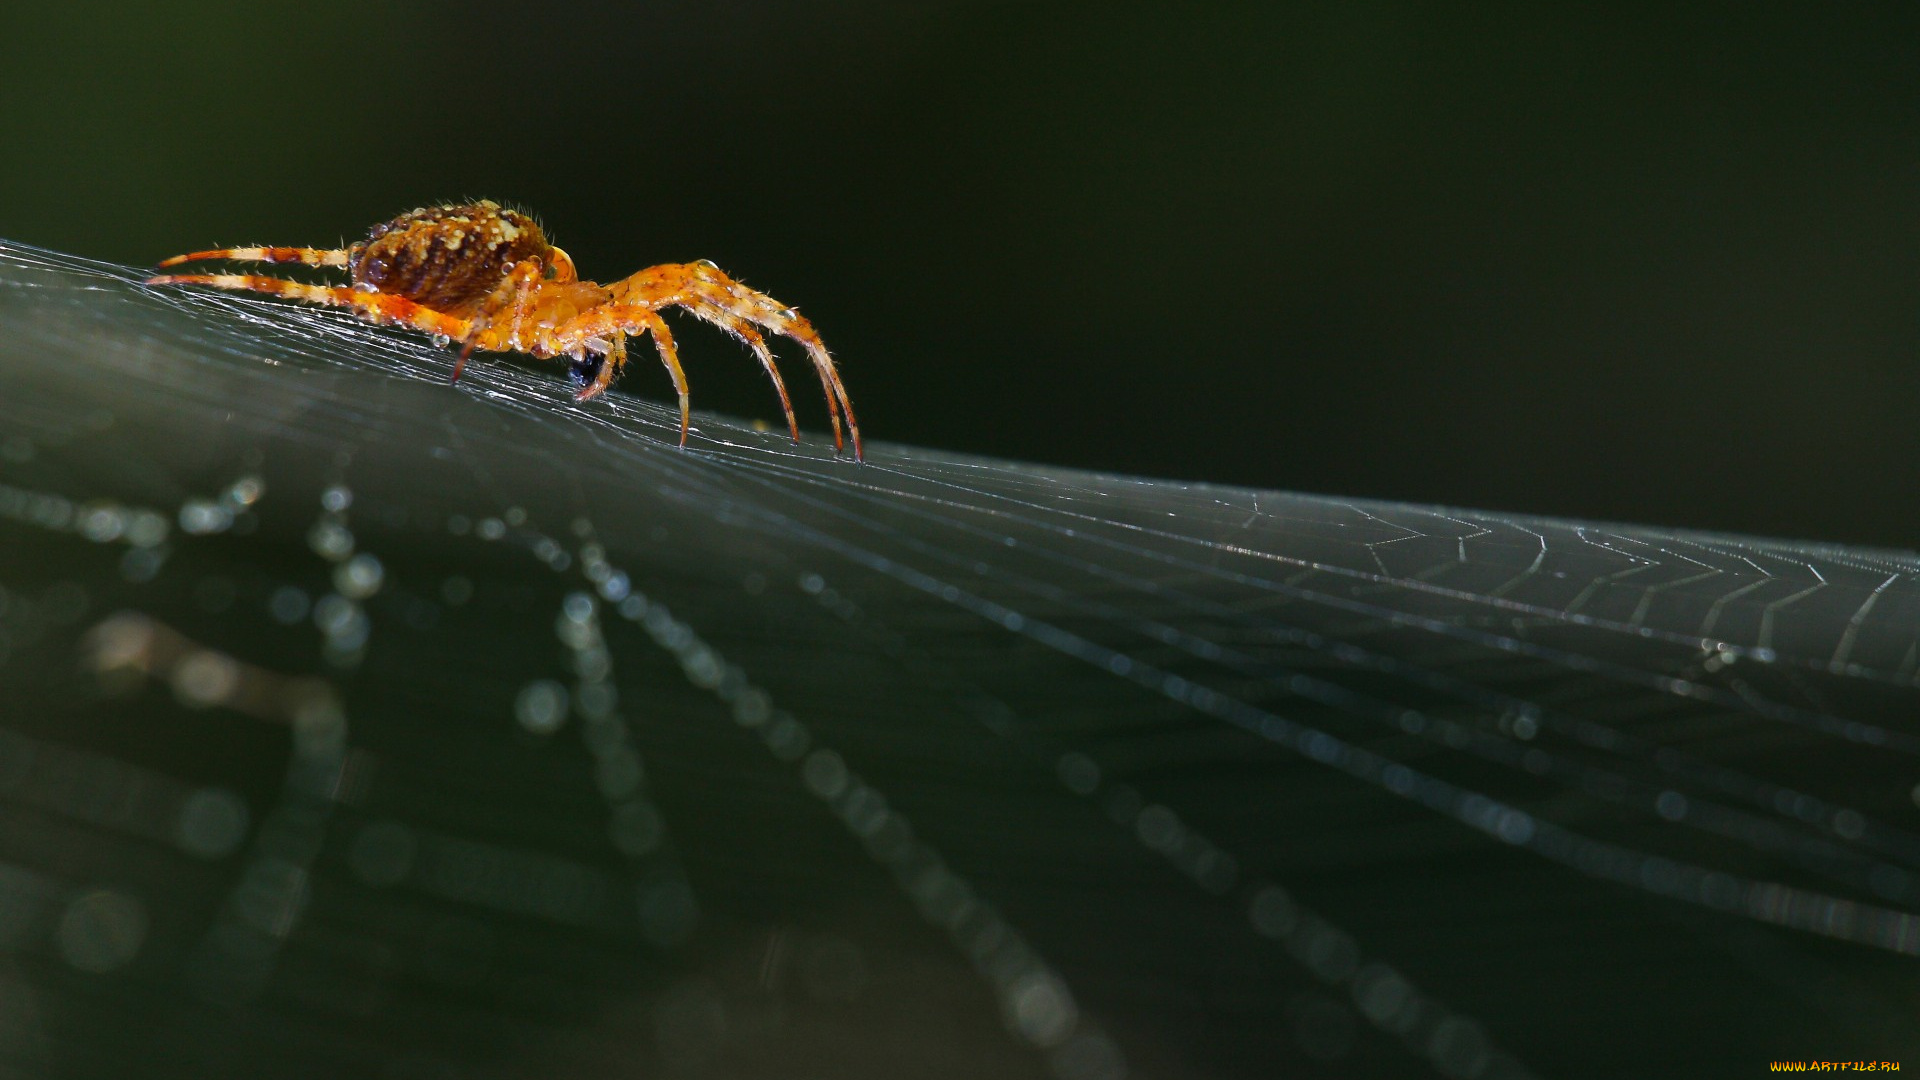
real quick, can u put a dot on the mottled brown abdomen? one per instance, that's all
(449, 258)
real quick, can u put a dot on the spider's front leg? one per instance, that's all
(705, 290)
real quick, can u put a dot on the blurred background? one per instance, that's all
(1653, 264)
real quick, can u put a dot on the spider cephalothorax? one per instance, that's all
(486, 277)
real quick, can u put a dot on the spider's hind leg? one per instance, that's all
(307, 256)
(372, 306)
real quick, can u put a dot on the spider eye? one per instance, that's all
(550, 273)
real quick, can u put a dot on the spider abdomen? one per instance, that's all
(449, 258)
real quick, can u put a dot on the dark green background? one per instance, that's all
(1655, 264)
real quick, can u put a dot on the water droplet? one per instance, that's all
(212, 823)
(456, 590)
(246, 491)
(288, 605)
(1040, 1008)
(206, 678)
(825, 774)
(1079, 773)
(636, 828)
(359, 577)
(330, 540)
(199, 517)
(541, 707)
(145, 528)
(102, 931)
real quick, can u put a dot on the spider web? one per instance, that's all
(356, 725)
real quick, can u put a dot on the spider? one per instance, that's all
(486, 277)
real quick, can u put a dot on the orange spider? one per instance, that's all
(486, 277)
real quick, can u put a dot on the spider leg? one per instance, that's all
(309, 256)
(663, 344)
(615, 363)
(709, 293)
(613, 322)
(521, 282)
(377, 307)
(744, 330)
